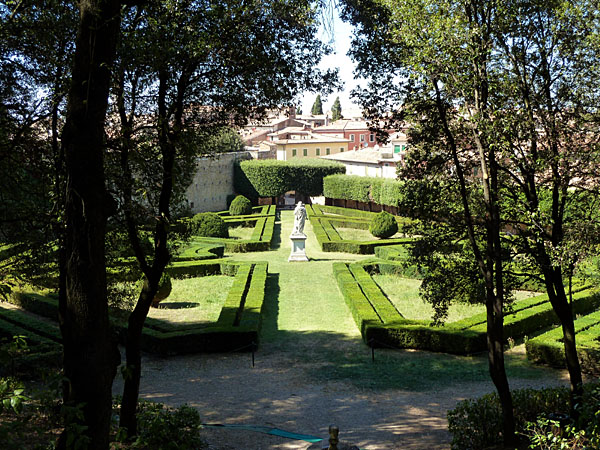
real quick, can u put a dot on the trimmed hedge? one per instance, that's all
(43, 340)
(330, 240)
(548, 347)
(262, 234)
(382, 191)
(272, 178)
(240, 206)
(383, 225)
(381, 325)
(237, 328)
(209, 224)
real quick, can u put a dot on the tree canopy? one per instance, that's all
(502, 109)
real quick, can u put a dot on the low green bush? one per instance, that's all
(209, 224)
(477, 423)
(383, 225)
(240, 206)
(165, 428)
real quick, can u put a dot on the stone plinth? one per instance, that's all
(298, 247)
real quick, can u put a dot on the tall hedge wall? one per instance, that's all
(383, 191)
(271, 178)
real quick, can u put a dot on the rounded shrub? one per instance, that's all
(240, 206)
(383, 225)
(209, 225)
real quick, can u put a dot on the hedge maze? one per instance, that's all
(236, 329)
(263, 221)
(381, 325)
(325, 219)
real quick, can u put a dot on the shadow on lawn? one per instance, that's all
(334, 357)
(177, 305)
(276, 240)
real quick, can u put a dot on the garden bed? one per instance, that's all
(382, 325)
(235, 329)
(325, 222)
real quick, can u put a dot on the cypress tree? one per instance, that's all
(336, 110)
(317, 106)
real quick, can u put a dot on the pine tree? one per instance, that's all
(336, 110)
(317, 106)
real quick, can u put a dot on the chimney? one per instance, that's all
(292, 112)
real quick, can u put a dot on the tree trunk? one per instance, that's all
(133, 354)
(560, 304)
(90, 353)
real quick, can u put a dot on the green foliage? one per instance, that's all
(477, 423)
(317, 107)
(210, 225)
(383, 225)
(220, 140)
(336, 110)
(240, 206)
(382, 191)
(271, 178)
(168, 429)
(11, 395)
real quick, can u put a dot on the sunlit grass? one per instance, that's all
(241, 232)
(404, 294)
(354, 234)
(194, 300)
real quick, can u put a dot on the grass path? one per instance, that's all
(303, 300)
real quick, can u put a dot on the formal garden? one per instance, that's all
(350, 316)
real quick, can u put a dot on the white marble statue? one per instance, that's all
(299, 218)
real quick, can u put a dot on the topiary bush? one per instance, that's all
(383, 225)
(209, 224)
(240, 206)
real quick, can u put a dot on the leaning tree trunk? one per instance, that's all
(90, 353)
(562, 307)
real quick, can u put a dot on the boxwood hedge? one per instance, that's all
(548, 347)
(382, 325)
(271, 178)
(383, 191)
(331, 241)
(237, 328)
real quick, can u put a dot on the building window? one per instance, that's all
(305, 152)
(327, 151)
(372, 138)
(362, 138)
(341, 149)
(396, 149)
(404, 147)
(351, 138)
(293, 152)
(318, 151)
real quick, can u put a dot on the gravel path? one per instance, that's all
(318, 371)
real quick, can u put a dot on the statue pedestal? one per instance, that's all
(298, 247)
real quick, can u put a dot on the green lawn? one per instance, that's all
(404, 294)
(241, 232)
(354, 234)
(194, 300)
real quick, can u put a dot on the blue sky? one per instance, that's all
(341, 45)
